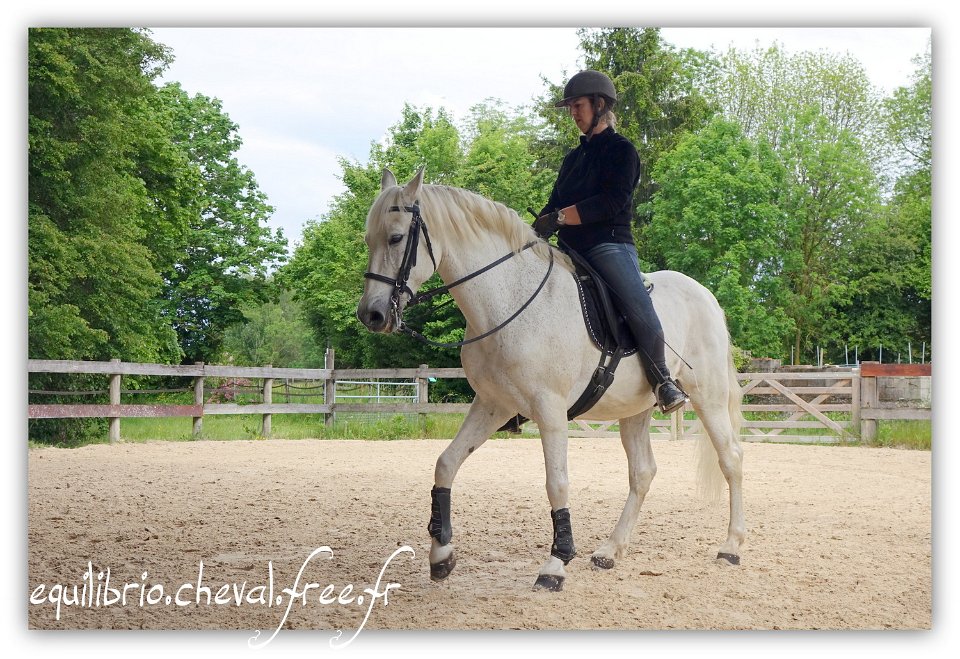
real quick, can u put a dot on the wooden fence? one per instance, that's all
(825, 407)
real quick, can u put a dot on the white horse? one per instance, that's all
(540, 362)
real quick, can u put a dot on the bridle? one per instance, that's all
(409, 261)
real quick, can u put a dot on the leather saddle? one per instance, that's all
(609, 331)
(605, 324)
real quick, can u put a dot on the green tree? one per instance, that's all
(93, 282)
(909, 122)
(145, 234)
(228, 250)
(420, 137)
(273, 333)
(499, 162)
(908, 118)
(717, 218)
(889, 297)
(766, 89)
(832, 193)
(94, 209)
(821, 115)
(890, 303)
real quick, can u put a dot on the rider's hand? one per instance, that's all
(546, 225)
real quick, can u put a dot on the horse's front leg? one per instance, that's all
(481, 421)
(553, 433)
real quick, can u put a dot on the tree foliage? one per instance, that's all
(145, 235)
(228, 250)
(822, 117)
(891, 261)
(766, 89)
(93, 283)
(717, 218)
(908, 118)
(832, 194)
(273, 333)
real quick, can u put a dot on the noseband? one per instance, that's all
(409, 261)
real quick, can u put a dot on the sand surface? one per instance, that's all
(837, 538)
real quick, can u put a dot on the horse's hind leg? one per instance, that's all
(635, 435)
(481, 422)
(721, 418)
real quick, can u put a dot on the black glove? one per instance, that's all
(546, 225)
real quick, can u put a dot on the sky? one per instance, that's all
(304, 97)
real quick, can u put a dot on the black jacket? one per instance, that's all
(599, 177)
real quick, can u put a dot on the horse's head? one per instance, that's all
(401, 256)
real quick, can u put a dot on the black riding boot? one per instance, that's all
(670, 397)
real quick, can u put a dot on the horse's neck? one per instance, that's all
(483, 298)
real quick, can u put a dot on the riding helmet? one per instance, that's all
(588, 83)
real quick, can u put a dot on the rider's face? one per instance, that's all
(581, 110)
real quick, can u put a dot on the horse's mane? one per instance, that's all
(462, 216)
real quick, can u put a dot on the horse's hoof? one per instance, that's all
(602, 562)
(549, 582)
(732, 559)
(440, 571)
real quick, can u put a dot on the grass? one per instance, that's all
(295, 426)
(917, 435)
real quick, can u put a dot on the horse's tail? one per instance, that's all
(711, 483)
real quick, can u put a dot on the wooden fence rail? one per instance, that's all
(801, 401)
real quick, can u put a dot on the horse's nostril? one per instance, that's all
(373, 320)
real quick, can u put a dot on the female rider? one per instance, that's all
(590, 208)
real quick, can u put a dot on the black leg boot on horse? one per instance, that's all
(562, 548)
(440, 530)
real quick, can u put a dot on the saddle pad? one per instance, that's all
(595, 317)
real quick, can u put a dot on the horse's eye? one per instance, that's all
(395, 238)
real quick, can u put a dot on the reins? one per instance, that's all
(400, 286)
(403, 328)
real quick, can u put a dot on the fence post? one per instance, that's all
(423, 395)
(115, 400)
(198, 400)
(329, 386)
(267, 400)
(856, 394)
(869, 400)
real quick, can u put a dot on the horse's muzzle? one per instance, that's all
(376, 317)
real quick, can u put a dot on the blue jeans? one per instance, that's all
(619, 266)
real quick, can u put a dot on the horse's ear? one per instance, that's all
(412, 189)
(387, 179)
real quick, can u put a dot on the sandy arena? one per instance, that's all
(837, 538)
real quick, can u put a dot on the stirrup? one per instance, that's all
(668, 408)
